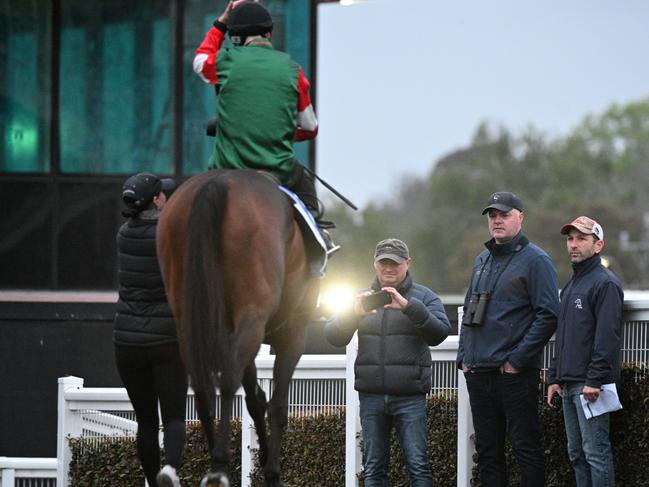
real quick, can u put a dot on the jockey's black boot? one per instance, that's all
(303, 185)
(324, 226)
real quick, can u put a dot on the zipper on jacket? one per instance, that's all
(569, 287)
(382, 351)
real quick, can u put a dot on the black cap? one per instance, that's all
(503, 201)
(138, 191)
(249, 19)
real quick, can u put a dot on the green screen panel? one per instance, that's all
(24, 86)
(116, 87)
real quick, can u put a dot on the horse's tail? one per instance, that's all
(205, 315)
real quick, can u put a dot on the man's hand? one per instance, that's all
(465, 369)
(398, 301)
(590, 393)
(508, 368)
(552, 390)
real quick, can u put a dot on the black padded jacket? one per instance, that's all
(143, 316)
(393, 345)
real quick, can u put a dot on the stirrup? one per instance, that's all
(326, 236)
(333, 248)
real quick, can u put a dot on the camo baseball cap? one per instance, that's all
(584, 225)
(393, 249)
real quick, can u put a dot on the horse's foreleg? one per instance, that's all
(257, 405)
(288, 351)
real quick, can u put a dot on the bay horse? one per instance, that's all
(236, 272)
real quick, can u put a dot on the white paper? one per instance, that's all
(607, 402)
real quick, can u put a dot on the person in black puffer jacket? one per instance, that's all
(146, 347)
(393, 366)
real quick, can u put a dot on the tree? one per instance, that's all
(600, 169)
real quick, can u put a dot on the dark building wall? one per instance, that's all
(59, 233)
(40, 342)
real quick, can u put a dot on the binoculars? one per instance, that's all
(476, 310)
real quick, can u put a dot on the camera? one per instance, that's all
(376, 300)
(476, 310)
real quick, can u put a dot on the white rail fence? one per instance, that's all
(321, 384)
(27, 472)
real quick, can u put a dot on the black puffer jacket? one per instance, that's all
(143, 315)
(393, 345)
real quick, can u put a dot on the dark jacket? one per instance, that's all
(590, 324)
(143, 315)
(393, 354)
(522, 312)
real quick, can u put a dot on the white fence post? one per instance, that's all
(465, 445)
(352, 419)
(248, 443)
(68, 426)
(8, 477)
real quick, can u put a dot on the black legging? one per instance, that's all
(152, 374)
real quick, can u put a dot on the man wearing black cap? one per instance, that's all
(587, 352)
(393, 366)
(146, 346)
(510, 313)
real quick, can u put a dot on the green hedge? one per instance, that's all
(313, 451)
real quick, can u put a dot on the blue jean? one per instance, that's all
(506, 404)
(379, 413)
(589, 447)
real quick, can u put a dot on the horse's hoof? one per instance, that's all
(215, 480)
(273, 482)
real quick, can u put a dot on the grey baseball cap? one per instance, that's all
(393, 249)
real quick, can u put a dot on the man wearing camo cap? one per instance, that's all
(587, 353)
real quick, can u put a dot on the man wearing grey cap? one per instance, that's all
(587, 351)
(510, 313)
(393, 366)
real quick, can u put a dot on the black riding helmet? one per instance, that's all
(249, 19)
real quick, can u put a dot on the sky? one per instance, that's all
(401, 83)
